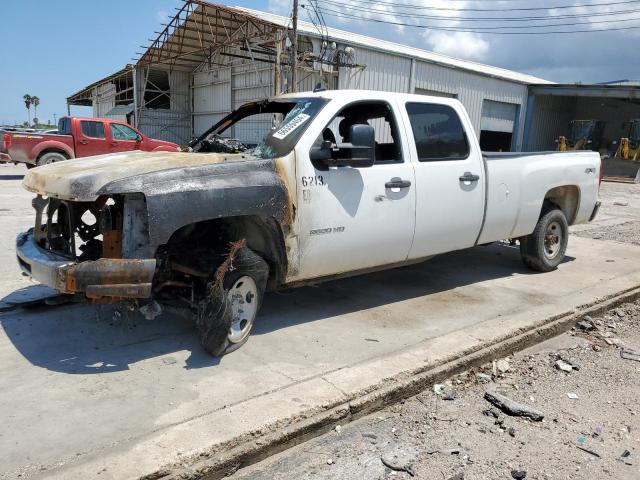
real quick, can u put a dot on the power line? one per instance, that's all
(423, 7)
(517, 27)
(469, 30)
(476, 18)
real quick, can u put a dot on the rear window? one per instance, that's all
(92, 129)
(64, 126)
(438, 132)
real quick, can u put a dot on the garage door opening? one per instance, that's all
(495, 141)
(497, 126)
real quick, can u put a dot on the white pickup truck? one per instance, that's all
(345, 182)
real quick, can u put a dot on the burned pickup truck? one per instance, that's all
(344, 182)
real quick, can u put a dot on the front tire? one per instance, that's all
(50, 157)
(233, 297)
(544, 249)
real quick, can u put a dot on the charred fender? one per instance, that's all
(179, 197)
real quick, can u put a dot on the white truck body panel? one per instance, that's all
(351, 223)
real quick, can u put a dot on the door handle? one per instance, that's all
(469, 177)
(114, 143)
(83, 142)
(398, 184)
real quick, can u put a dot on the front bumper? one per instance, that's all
(106, 278)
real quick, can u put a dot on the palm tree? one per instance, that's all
(36, 102)
(27, 103)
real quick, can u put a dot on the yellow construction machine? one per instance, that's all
(624, 165)
(584, 135)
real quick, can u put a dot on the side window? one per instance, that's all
(92, 129)
(122, 132)
(380, 116)
(438, 132)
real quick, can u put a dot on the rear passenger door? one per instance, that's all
(124, 138)
(449, 176)
(91, 139)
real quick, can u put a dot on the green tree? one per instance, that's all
(27, 103)
(35, 101)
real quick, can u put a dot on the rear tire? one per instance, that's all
(226, 313)
(50, 157)
(545, 248)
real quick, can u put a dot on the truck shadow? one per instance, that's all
(85, 339)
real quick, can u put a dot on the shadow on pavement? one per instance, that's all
(86, 339)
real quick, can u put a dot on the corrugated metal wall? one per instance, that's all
(217, 90)
(173, 124)
(550, 118)
(104, 99)
(390, 72)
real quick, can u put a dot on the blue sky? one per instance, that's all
(54, 48)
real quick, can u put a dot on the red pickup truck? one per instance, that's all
(77, 137)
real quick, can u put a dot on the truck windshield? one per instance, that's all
(266, 129)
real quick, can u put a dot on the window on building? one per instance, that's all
(122, 132)
(438, 132)
(157, 92)
(92, 129)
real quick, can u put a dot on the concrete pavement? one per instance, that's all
(99, 390)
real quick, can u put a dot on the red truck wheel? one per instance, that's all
(50, 157)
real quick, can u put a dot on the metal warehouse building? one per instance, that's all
(209, 59)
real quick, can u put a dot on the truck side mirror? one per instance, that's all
(360, 153)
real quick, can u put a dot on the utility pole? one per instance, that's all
(294, 48)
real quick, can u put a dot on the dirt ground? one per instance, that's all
(457, 434)
(591, 424)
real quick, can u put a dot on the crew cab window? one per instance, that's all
(438, 132)
(122, 132)
(92, 129)
(380, 116)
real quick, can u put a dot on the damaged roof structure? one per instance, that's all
(208, 59)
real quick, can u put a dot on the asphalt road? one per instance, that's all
(91, 389)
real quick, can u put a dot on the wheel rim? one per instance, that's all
(243, 298)
(553, 239)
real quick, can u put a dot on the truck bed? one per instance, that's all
(517, 182)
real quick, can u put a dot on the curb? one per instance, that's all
(225, 463)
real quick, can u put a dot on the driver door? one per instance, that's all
(124, 138)
(353, 219)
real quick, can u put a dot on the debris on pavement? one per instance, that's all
(518, 474)
(590, 452)
(586, 324)
(502, 365)
(399, 460)
(483, 378)
(564, 366)
(151, 310)
(603, 422)
(511, 407)
(629, 354)
(438, 389)
(450, 395)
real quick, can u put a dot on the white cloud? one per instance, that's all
(458, 44)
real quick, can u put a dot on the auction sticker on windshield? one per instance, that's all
(295, 122)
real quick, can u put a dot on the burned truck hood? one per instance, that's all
(179, 188)
(83, 180)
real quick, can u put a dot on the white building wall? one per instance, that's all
(385, 71)
(173, 124)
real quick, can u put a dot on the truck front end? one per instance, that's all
(96, 249)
